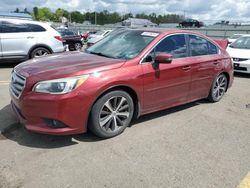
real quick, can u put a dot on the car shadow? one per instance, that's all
(29, 139)
(6, 65)
(242, 75)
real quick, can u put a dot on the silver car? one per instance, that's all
(25, 39)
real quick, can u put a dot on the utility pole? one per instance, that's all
(95, 18)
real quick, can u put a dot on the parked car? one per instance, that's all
(86, 35)
(127, 74)
(191, 23)
(94, 38)
(73, 40)
(234, 37)
(25, 39)
(239, 50)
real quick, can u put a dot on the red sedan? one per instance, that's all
(127, 74)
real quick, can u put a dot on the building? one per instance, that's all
(16, 15)
(137, 22)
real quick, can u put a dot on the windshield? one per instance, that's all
(100, 32)
(123, 44)
(242, 42)
(235, 36)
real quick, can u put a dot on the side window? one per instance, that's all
(174, 45)
(36, 28)
(10, 27)
(200, 46)
(212, 48)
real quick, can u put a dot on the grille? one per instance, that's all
(239, 59)
(17, 84)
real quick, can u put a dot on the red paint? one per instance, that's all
(182, 81)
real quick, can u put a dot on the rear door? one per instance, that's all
(206, 62)
(16, 39)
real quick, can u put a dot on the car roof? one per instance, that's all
(24, 21)
(168, 31)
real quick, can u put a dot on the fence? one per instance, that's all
(215, 32)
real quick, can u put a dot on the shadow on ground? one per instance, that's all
(30, 139)
(241, 75)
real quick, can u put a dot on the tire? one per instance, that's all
(39, 52)
(218, 88)
(78, 46)
(111, 114)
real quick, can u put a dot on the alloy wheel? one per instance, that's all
(114, 114)
(220, 87)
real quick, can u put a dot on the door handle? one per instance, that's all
(216, 62)
(186, 68)
(30, 37)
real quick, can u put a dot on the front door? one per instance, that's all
(168, 85)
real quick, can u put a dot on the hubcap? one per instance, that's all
(114, 114)
(220, 87)
(40, 53)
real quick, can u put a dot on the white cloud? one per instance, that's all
(203, 10)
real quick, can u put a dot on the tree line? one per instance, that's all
(103, 17)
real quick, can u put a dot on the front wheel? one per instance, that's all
(78, 46)
(218, 88)
(111, 114)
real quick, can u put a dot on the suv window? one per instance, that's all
(174, 45)
(11, 27)
(200, 46)
(36, 28)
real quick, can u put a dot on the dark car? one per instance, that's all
(127, 74)
(71, 39)
(191, 23)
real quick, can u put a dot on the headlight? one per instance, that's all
(60, 86)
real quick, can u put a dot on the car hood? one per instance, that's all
(95, 39)
(66, 65)
(239, 53)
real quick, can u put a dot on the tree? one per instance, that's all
(17, 10)
(35, 13)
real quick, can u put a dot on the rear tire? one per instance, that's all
(39, 52)
(218, 88)
(111, 114)
(78, 46)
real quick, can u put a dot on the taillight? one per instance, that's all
(59, 38)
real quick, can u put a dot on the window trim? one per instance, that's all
(141, 61)
(186, 37)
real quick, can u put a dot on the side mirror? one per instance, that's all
(163, 58)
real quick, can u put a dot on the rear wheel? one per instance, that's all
(78, 46)
(111, 114)
(218, 89)
(39, 52)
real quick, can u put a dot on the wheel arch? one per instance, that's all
(39, 46)
(127, 89)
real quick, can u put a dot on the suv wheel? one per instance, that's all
(38, 52)
(111, 114)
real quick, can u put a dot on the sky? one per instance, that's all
(204, 10)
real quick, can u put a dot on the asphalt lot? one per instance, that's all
(195, 145)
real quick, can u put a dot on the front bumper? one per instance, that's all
(242, 67)
(34, 109)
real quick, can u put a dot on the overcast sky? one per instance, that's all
(211, 10)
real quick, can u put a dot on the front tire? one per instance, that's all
(111, 114)
(218, 88)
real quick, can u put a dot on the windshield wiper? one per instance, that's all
(100, 54)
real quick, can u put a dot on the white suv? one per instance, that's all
(24, 39)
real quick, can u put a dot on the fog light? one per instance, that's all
(55, 123)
